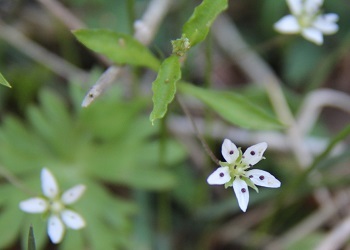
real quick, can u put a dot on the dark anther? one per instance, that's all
(91, 95)
(243, 190)
(261, 177)
(231, 152)
(250, 176)
(222, 174)
(252, 152)
(250, 165)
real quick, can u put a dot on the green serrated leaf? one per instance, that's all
(120, 48)
(233, 108)
(197, 27)
(3, 81)
(164, 87)
(31, 239)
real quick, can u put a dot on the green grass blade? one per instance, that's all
(3, 81)
(31, 239)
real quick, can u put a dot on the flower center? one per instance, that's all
(56, 206)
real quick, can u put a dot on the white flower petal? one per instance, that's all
(263, 178)
(48, 184)
(331, 17)
(242, 193)
(326, 24)
(34, 205)
(219, 176)
(295, 6)
(313, 35)
(254, 153)
(288, 25)
(311, 7)
(55, 229)
(73, 194)
(72, 219)
(229, 151)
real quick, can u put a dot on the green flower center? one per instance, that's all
(56, 206)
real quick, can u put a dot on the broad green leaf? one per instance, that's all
(164, 87)
(3, 81)
(197, 27)
(120, 48)
(233, 107)
(31, 239)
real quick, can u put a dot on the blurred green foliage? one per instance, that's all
(144, 189)
(108, 144)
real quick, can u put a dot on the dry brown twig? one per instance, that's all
(36, 52)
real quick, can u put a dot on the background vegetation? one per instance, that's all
(146, 184)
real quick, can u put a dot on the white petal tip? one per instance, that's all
(219, 176)
(33, 205)
(73, 220)
(48, 183)
(55, 229)
(73, 194)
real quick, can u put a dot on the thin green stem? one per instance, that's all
(199, 136)
(131, 15)
(14, 181)
(163, 199)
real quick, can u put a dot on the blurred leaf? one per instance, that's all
(164, 87)
(233, 107)
(335, 140)
(120, 48)
(110, 144)
(31, 239)
(3, 81)
(310, 241)
(301, 58)
(10, 222)
(197, 27)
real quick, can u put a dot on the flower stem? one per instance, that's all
(14, 181)
(199, 136)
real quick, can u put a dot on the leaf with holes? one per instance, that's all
(197, 27)
(233, 108)
(120, 48)
(164, 87)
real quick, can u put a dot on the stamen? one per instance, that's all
(252, 152)
(250, 176)
(243, 190)
(261, 177)
(231, 152)
(222, 174)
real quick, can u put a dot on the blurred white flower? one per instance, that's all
(55, 205)
(307, 20)
(234, 172)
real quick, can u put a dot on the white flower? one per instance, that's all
(235, 171)
(56, 206)
(307, 20)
